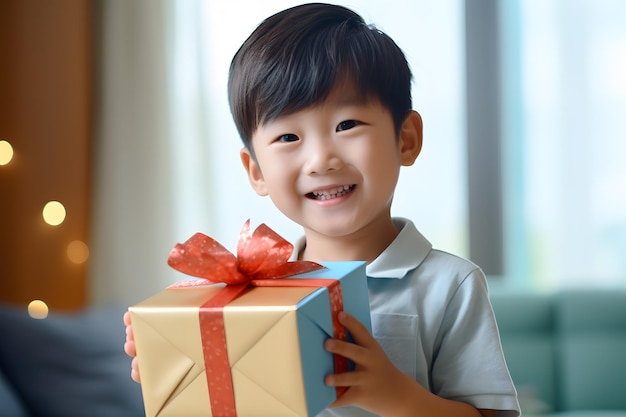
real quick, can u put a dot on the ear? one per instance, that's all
(254, 172)
(410, 140)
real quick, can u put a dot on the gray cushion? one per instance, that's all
(69, 365)
(10, 404)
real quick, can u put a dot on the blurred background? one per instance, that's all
(116, 141)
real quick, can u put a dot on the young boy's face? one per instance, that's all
(333, 167)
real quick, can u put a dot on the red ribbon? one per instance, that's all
(262, 260)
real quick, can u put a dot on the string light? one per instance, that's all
(38, 309)
(54, 213)
(6, 152)
(77, 252)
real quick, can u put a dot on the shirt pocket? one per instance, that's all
(398, 335)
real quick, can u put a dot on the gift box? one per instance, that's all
(203, 351)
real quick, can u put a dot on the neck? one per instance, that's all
(363, 245)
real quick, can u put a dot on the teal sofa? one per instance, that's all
(566, 351)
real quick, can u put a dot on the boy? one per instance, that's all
(322, 103)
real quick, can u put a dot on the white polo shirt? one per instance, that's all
(432, 316)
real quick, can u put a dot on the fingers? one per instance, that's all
(130, 349)
(126, 318)
(374, 383)
(129, 345)
(359, 352)
(351, 351)
(365, 352)
(357, 330)
(130, 335)
(134, 371)
(356, 352)
(345, 379)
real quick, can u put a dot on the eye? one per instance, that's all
(347, 124)
(288, 137)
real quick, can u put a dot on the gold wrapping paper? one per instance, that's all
(263, 351)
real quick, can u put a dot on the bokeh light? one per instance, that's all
(77, 252)
(54, 213)
(38, 309)
(6, 152)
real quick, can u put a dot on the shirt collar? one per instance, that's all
(405, 253)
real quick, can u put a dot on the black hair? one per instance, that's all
(294, 58)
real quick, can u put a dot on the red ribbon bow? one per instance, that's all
(260, 255)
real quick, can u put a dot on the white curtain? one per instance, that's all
(148, 147)
(569, 147)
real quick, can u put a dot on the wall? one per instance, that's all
(45, 113)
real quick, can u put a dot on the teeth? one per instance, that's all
(332, 193)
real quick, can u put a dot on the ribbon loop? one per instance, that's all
(262, 254)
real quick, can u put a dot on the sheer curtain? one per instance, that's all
(167, 152)
(567, 177)
(151, 177)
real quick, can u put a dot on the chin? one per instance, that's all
(334, 231)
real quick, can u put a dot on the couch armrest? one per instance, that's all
(592, 341)
(10, 403)
(69, 364)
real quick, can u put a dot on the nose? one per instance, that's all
(322, 156)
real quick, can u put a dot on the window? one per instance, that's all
(564, 101)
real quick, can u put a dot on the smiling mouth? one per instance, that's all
(331, 193)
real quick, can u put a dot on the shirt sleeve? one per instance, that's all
(468, 363)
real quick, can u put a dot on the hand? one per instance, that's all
(129, 348)
(375, 384)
